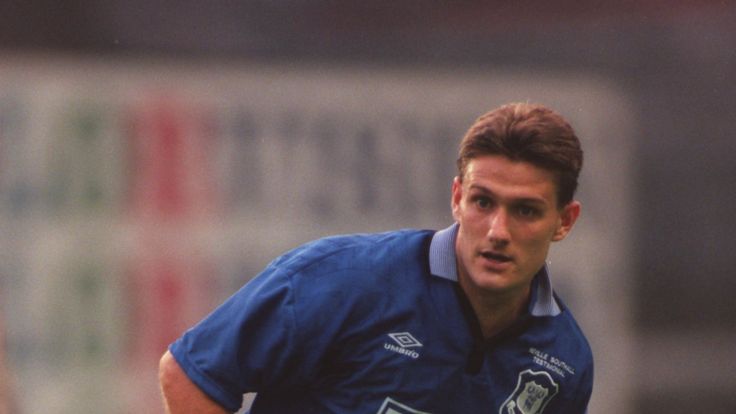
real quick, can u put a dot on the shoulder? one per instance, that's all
(572, 339)
(351, 274)
(351, 278)
(354, 251)
(567, 321)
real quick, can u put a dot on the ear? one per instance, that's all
(568, 216)
(457, 195)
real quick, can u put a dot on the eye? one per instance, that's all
(528, 211)
(483, 203)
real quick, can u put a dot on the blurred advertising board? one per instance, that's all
(135, 196)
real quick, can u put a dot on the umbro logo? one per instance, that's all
(405, 339)
(405, 342)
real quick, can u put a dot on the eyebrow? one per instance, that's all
(528, 200)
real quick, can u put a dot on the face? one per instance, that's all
(508, 216)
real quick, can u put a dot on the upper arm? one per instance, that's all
(247, 344)
(268, 334)
(181, 395)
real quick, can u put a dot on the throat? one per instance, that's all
(495, 313)
(493, 322)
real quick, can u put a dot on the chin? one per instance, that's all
(493, 281)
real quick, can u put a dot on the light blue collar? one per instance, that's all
(443, 263)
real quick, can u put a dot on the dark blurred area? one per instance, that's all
(676, 60)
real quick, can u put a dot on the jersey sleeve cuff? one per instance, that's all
(226, 399)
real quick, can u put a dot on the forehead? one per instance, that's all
(510, 179)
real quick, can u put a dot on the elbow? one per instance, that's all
(168, 369)
(180, 394)
(169, 376)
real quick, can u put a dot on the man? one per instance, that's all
(462, 320)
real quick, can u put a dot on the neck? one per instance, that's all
(495, 312)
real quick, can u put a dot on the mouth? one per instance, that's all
(496, 257)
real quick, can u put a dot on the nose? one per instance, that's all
(498, 231)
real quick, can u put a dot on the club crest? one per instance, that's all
(533, 391)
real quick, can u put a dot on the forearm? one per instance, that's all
(180, 394)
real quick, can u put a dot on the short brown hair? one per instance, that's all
(530, 133)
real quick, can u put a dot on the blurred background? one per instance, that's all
(155, 155)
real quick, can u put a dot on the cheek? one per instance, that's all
(534, 254)
(538, 239)
(475, 225)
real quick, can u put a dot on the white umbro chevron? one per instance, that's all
(405, 339)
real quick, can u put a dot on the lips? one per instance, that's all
(496, 257)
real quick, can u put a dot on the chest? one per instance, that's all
(431, 363)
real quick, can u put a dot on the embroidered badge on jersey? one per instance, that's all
(391, 406)
(533, 391)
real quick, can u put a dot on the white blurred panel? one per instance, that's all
(138, 195)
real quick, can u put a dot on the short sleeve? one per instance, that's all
(246, 344)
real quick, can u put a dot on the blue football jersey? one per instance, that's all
(377, 324)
